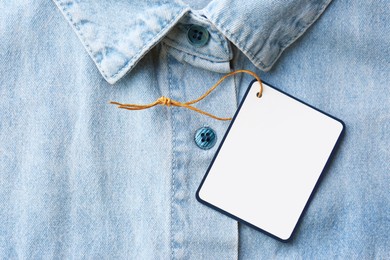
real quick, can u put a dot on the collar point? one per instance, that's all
(113, 71)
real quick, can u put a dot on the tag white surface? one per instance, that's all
(270, 161)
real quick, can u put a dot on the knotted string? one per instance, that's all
(165, 101)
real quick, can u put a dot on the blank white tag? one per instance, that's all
(269, 161)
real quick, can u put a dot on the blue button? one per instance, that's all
(198, 35)
(205, 138)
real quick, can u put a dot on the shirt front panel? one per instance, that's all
(79, 178)
(85, 179)
(341, 67)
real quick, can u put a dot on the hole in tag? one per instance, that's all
(258, 95)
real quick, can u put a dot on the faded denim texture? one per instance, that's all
(80, 178)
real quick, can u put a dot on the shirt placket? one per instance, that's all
(197, 232)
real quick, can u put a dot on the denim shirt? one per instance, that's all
(80, 178)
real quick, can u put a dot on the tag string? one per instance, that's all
(165, 101)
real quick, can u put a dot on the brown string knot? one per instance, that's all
(165, 101)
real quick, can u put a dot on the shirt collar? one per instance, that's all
(117, 34)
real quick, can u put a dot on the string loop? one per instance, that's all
(165, 101)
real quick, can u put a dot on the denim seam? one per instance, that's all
(283, 46)
(236, 92)
(173, 162)
(129, 64)
(197, 57)
(199, 53)
(222, 41)
(236, 41)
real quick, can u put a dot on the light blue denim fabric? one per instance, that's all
(80, 178)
